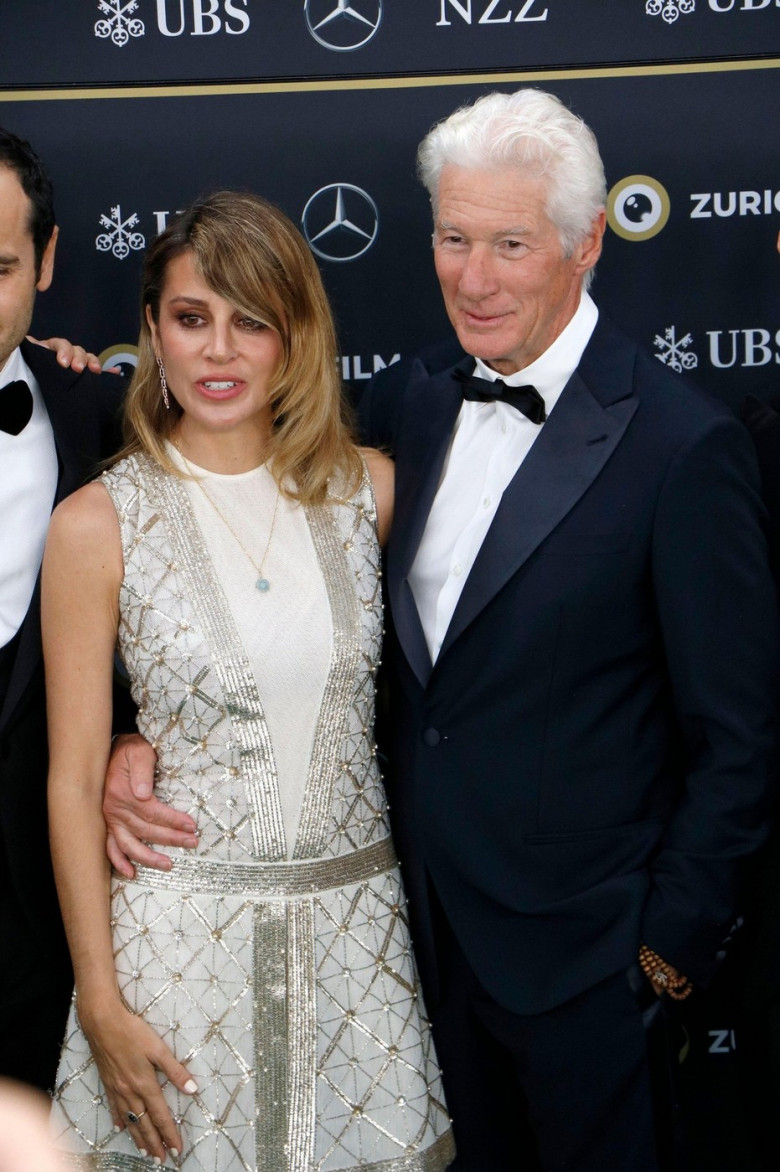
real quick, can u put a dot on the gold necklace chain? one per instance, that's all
(262, 584)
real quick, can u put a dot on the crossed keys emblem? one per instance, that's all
(669, 9)
(119, 237)
(119, 27)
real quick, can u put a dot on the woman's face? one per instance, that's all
(218, 362)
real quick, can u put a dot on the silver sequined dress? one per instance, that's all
(285, 984)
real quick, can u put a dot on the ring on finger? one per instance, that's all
(132, 1117)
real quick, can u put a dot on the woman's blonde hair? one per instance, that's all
(251, 254)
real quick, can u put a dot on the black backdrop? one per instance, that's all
(137, 106)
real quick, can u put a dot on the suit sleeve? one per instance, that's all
(763, 423)
(717, 610)
(379, 407)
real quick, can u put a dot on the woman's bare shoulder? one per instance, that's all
(381, 469)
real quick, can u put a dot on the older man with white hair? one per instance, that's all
(581, 662)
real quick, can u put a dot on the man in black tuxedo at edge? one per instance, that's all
(55, 425)
(580, 665)
(753, 979)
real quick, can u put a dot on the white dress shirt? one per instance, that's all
(28, 484)
(489, 443)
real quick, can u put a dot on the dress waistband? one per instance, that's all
(271, 880)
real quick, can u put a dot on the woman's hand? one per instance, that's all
(129, 1054)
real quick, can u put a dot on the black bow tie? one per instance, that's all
(481, 390)
(16, 407)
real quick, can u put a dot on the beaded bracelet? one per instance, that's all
(677, 986)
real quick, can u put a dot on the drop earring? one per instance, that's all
(163, 383)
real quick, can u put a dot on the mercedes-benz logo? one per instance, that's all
(340, 222)
(343, 25)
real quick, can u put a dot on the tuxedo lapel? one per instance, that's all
(53, 382)
(572, 448)
(427, 422)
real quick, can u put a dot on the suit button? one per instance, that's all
(431, 737)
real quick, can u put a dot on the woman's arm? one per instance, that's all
(82, 573)
(381, 469)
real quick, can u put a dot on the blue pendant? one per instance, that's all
(263, 585)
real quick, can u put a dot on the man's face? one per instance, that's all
(18, 278)
(508, 289)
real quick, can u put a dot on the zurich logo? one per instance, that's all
(340, 222)
(123, 356)
(343, 25)
(638, 207)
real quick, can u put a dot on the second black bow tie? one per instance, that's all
(16, 407)
(481, 390)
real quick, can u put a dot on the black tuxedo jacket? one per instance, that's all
(84, 414)
(587, 764)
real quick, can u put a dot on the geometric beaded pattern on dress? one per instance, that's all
(286, 985)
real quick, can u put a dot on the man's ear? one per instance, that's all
(590, 248)
(47, 262)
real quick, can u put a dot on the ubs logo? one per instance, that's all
(669, 10)
(117, 21)
(201, 18)
(638, 207)
(119, 236)
(343, 25)
(340, 222)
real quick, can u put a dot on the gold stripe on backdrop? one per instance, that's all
(220, 89)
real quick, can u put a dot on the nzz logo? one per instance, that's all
(528, 10)
(120, 23)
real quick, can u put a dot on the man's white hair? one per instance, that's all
(535, 132)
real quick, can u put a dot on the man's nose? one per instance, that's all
(220, 346)
(478, 276)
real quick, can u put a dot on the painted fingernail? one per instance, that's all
(142, 1152)
(174, 1152)
(157, 1161)
(190, 1087)
(117, 1129)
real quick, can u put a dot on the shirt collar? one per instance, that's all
(15, 368)
(551, 371)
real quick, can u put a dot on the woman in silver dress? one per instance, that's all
(257, 1006)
